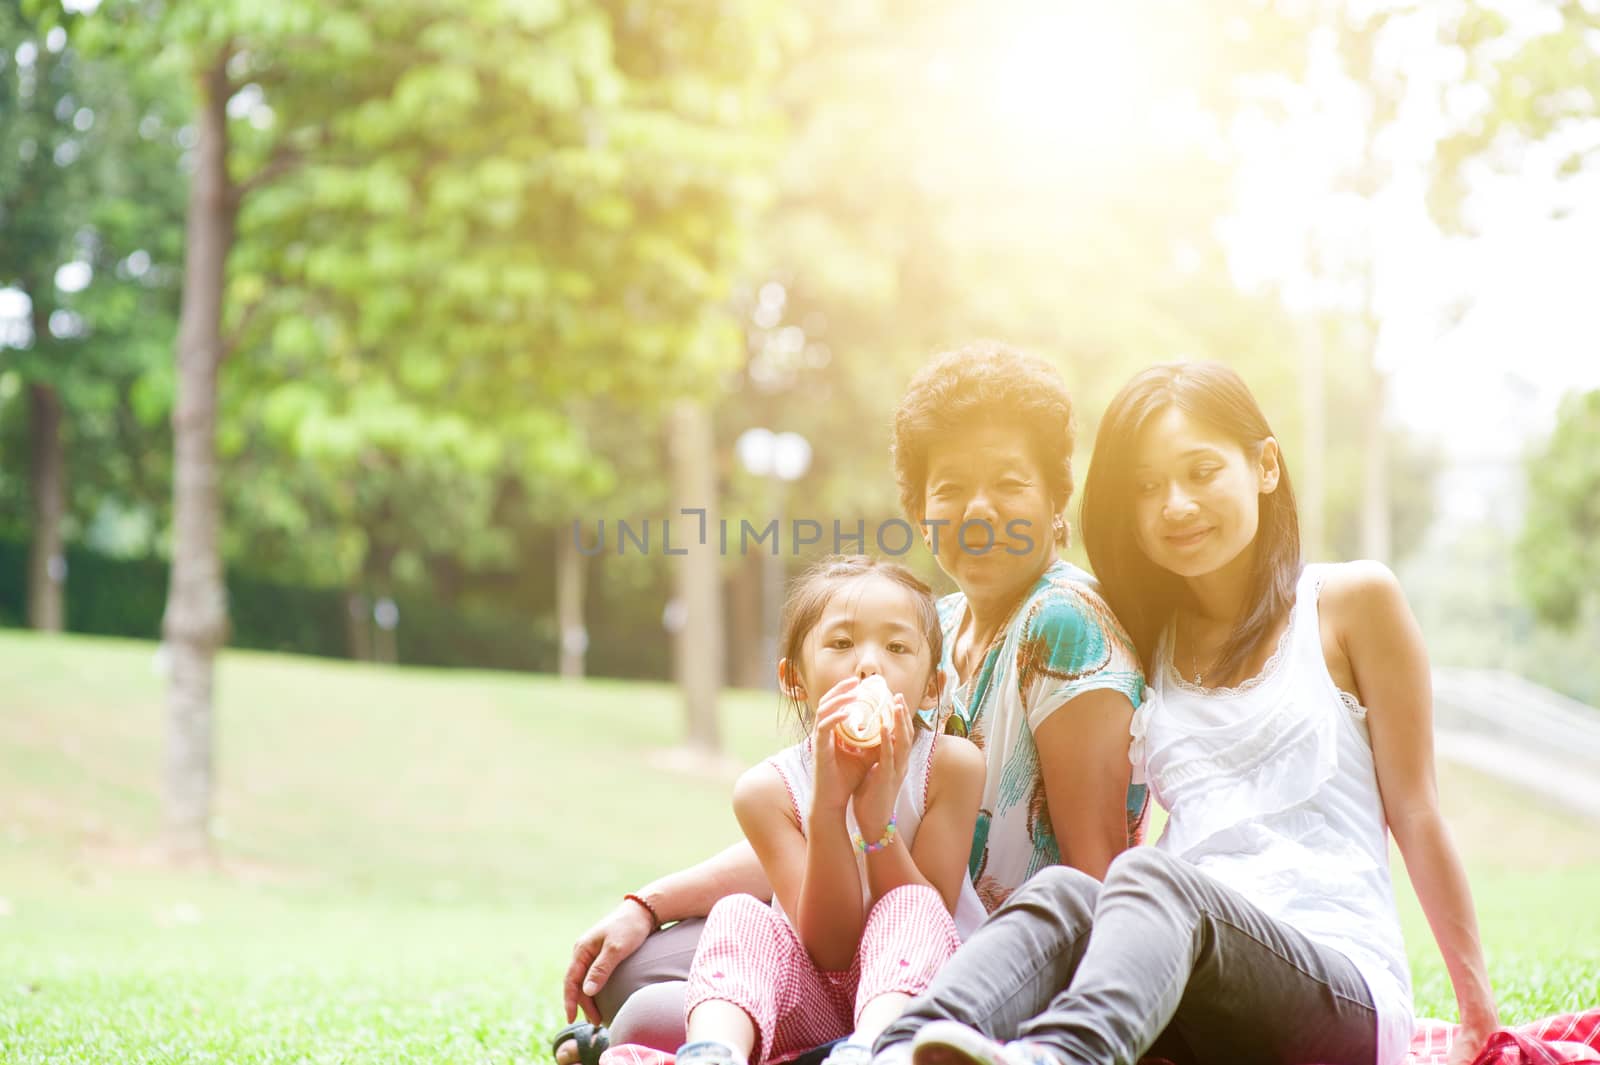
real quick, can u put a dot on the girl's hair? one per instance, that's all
(811, 592)
(1143, 595)
(985, 381)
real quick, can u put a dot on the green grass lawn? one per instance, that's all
(406, 856)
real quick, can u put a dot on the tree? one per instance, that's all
(459, 216)
(38, 224)
(1525, 109)
(533, 214)
(206, 44)
(87, 197)
(1535, 76)
(1339, 112)
(1558, 553)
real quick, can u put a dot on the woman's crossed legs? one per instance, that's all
(1177, 966)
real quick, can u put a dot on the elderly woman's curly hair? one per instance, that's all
(984, 382)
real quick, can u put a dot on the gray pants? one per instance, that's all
(644, 1000)
(1178, 966)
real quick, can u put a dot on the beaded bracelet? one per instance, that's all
(887, 838)
(651, 910)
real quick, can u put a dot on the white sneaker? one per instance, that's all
(953, 1043)
(848, 1053)
(707, 1052)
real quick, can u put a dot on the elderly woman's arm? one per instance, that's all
(677, 896)
(1083, 757)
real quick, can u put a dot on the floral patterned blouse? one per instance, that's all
(1061, 641)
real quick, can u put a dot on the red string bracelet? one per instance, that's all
(651, 910)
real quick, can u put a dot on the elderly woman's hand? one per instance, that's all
(597, 954)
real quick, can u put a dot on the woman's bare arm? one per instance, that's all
(677, 896)
(1389, 661)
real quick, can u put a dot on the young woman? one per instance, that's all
(1288, 732)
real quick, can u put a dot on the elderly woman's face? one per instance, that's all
(987, 510)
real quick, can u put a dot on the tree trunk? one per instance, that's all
(377, 572)
(569, 606)
(47, 562)
(1375, 526)
(196, 619)
(357, 625)
(750, 668)
(1313, 493)
(385, 619)
(698, 646)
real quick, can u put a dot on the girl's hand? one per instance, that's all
(839, 769)
(875, 795)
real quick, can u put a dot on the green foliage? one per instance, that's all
(1485, 622)
(483, 244)
(1537, 78)
(488, 217)
(474, 236)
(1558, 555)
(89, 175)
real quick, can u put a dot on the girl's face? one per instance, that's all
(984, 483)
(1197, 494)
(871, 625)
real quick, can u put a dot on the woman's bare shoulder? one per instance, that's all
(1360, 593)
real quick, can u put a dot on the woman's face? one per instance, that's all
(987, 511)
(1197, 494)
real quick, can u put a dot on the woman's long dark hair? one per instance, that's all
(1143, 595)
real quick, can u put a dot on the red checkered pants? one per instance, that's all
(749, 955)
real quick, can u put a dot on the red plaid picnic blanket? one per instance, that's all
(1567, 1038)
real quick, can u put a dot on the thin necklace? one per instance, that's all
(974, 661)
(971, 660)
(1194, 659)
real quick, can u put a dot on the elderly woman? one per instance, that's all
(1037, 673)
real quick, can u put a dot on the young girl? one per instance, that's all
(866, 850)
(1288, 732)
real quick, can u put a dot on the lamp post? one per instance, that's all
(781, 458)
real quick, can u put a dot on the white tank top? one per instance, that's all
(795, 765)
(1270, 788)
